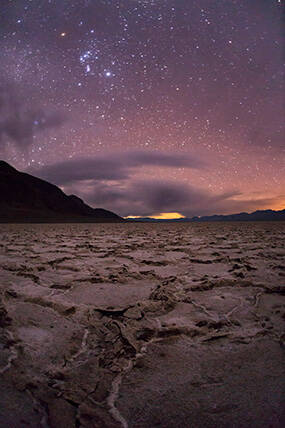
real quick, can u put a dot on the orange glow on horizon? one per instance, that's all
(278, 206)
(160, 216)
(167, 216)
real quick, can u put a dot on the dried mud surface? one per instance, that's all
(142, 325)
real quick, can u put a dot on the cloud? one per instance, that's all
(66, 172)
(19, 121)
(144, 198)
(109, 181)
(137, 158)
(114, 166)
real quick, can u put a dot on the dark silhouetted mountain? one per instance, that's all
(262, 215)
(25, 198)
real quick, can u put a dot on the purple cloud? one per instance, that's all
(114, 166)
(150, 197)
(19, 121)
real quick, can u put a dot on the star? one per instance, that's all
(164, 76)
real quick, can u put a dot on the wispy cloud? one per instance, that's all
(19, 121)
(113, 166)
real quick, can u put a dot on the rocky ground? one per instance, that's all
(142, 325)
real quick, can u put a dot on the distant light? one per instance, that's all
(161, 216)
(167, 216)
(62, 34)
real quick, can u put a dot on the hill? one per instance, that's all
(25, 198)
(261, 215)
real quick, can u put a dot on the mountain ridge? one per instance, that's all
(25, 198)
(259, 215)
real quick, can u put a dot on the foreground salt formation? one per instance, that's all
(142, 325)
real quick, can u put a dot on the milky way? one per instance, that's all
(147, 106)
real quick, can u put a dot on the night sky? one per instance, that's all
(147, 106)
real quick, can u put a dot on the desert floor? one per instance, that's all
(142, 325)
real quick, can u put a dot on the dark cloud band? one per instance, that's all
(115, 166)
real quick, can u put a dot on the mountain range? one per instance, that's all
(28, 199)
(261, 215)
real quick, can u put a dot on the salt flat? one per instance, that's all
(142, 325)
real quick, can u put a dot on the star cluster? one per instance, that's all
(90, 78)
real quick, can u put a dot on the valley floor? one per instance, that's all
(142, 325)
